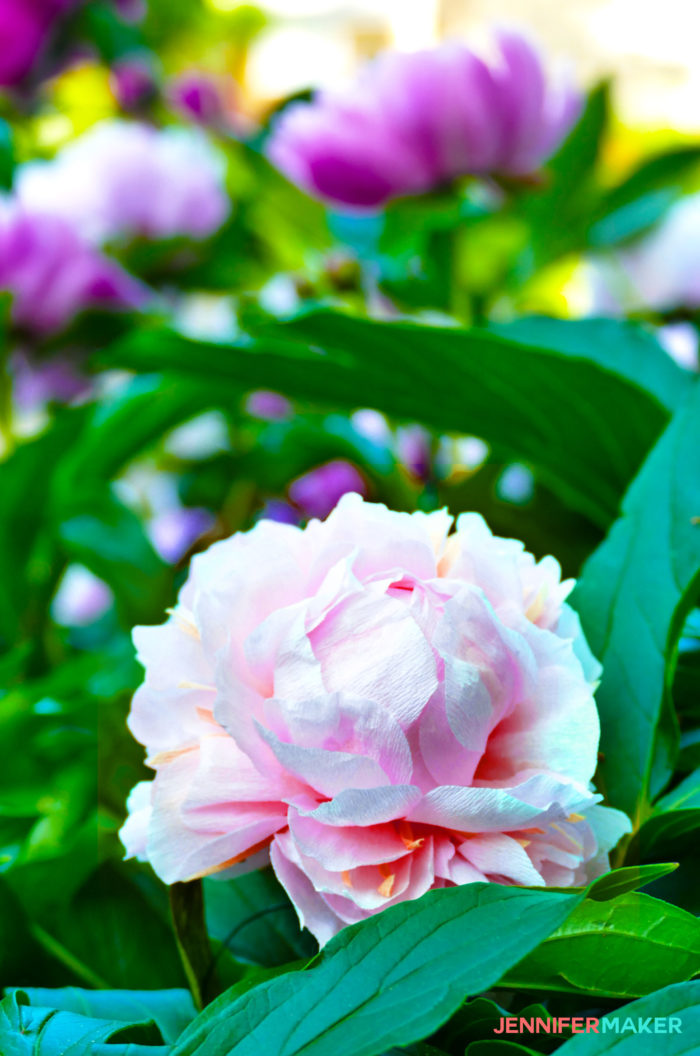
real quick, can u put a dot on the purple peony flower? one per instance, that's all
(316, 493)
(197, 96)
(415, 121)
(52, 274)
(25, 28)
(128, 179)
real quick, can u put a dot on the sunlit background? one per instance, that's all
(650, 49)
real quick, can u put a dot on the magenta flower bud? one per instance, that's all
(52, 274)
(197, 96)
(318, 492)
(413, 122)
(133, 83)
(268, 406)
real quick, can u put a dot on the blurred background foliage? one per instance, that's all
(193, 417)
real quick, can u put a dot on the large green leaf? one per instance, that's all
(622, 948)
(390, 980)
(584, 427)
(170, 1010)
(680, 1003)
(676, 815)
(633, 597)
(28, 1030)
(624, 348)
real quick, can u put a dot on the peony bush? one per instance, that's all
(350, 543)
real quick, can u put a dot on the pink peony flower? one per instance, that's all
(52, 274)
(415, 121)
(128, 179)
(377, 707)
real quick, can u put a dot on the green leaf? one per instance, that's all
(622, 948)
(26, 1030)
(25, 554)
(109, 539)
(470, 1023)
(569, 191)
(171, 1010)
(517, 397)
(630, 878)
(663, 174)
(676, 815)
(253, 917)
(627, 349)
(682, 1002)
(633, 597)
(685, 796)
(391, 980)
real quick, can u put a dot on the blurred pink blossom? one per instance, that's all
(413, 122)
(52, 274)
(129, 179)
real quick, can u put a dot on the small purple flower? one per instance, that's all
(280, 511)
(81, 598)
(174, 531)
(133, 82)
(268, 406)
(52, 274)
(197, 96)
(414, 450)
(38, 382)
(415, 121)
(317, 493)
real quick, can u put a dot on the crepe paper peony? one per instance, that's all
(25, 30)
(128, 179)
(52, 274)
(377, 707)
(413, 122)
